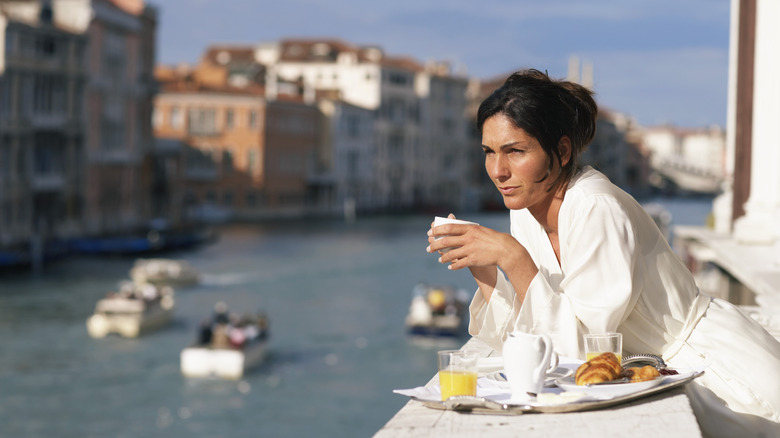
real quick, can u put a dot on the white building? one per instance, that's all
(419, 125)
(446, 154)
(351, 156)
(694, 159)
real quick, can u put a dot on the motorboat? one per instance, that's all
(132, 311)
(161, 271)
(437, 311)
(228, 345)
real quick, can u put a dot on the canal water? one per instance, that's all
(336, 294)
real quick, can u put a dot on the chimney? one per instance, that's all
(574, 69)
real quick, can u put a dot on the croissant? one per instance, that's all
(641, 374)
(602, 368)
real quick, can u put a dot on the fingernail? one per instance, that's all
(428, 249)
(449, 267)
(430, 232)
(439, 259)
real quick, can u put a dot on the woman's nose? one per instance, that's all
(497, 168)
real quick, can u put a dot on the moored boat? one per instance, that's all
(156, 238)
(161, 271)
(228, 345)
(132, 311)
(437, 311)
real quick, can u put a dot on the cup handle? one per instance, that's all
(553, 362)
(550, 353)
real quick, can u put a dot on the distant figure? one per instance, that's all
(205, 332)
(221, 313)
(262, 325)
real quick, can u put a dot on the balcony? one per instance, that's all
(47, 121)
(201, 174)
(48, 182)
(114, 156)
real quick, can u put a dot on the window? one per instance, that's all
(229, 118)
(45, 46)
(157, 120)
(111, 134)
(252, 161)
(176, 118)
(252, 119)
(352, 164)
(5, 158)
(227, 161)
(48, 153)
(352, 127)
(202, 121)
(398, 78)
(227, 198)
(251, 199)
(48, 95)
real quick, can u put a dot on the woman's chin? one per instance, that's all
(513, 204)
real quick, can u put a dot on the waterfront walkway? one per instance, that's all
(744, 274)
(666, 414)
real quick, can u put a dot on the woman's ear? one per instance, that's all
(564, 147)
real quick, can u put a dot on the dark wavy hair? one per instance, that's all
(547, 109)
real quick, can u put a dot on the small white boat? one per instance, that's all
(132, 311)
(437, 311)
(164, 272)
(226, 363)
(228, 346)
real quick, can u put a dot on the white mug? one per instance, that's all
(438, 220)
(527, 359)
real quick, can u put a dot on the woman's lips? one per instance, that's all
(506, 190)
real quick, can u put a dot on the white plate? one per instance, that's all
(490, 364)
(609, 389)
(550, 378)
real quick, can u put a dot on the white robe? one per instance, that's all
(618, 273)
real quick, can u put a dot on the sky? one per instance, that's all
(658, 61)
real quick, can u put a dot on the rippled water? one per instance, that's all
(336, 294)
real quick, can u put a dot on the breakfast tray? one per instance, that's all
(483, 405)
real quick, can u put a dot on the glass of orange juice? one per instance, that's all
(597, 343)
(457, 373)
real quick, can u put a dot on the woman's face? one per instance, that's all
(516, 163)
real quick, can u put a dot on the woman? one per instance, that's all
(584, 257)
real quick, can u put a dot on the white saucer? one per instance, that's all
(550, 378)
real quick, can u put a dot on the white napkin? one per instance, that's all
(498, 391)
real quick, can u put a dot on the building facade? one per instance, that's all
(119, 141)
(419, 112)
(42, 80)
(262, 152)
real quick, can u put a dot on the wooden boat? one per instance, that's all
(131, 312)
(157, 238)
(160, 271)
(437, 311)
(227, 347)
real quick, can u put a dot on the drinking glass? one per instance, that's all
(457, 373)
(597, 343)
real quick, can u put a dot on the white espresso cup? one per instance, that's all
(527, 360)
(438, 220)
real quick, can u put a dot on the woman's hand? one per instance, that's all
(483, 250)
(472, 246)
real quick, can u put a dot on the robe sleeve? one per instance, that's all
(595, 294)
